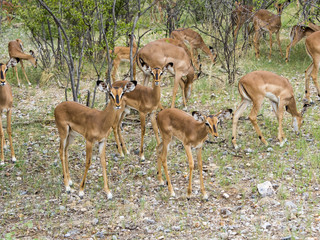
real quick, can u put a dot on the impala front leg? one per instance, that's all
(307, 82)
(203, 191)
(175, 89)
(9, 131)
(143, 131)
(88, 163)
(191, 167)
(24, 72)
(2, 141)
(102, 151)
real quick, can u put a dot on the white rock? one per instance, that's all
(266, 225)
(265, 189)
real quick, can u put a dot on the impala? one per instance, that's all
(242, 14)
(123, 54)
(93, 125)
(145, 100)
(195, 41)
(297, 33)
(192, 131)
(15, 49)
(159, 53)
(253, 88)
(6, 101)
(263, 20)
(313, 50)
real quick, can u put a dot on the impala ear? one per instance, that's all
(32, 53)
(103, 86)
(130, 86)
(198, 117)
(224, 114)
(166, 67)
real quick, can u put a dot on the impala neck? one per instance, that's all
(156, 91)
(109, 113)
(292, 108)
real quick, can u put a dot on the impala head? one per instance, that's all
(116, 93)
(158, 72)
(4, 68)
(210, 121)
(33, 60)
(279, 7)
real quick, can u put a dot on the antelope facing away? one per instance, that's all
(145, 100)
(123, 54)
(158, 54)
(263, 20)
(297, 33)
(313, 50)
(192, 131)
(93, 125)
(6, 101)
(253, 88)
(15, 49)
(195, 41)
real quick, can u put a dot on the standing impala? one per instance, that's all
(93, 124)
(6, 101)
(313, 50)
(263, 20)
(158, 54)
(242, 14)
(145, 100)
(192, 131)
(253, 88)
(15, 49)
(195, 41)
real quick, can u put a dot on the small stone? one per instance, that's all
(100, 235)
(265, 189)
(269, 149)
(225, 195)
(266, 225)
(248, 150)
(305, 196)
(290, 205)
(62, 208)
(225, 212)
(176, 228)
(286, 238)
(149, 221)
(114, 237)
(95, 221)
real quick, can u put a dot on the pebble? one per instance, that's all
(62, 208)
(225, 195)
(95, 221)
(100, 235)
(266, 225)
(290, 204)
(265, 189)
(248, 150)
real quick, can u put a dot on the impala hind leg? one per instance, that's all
(17, 75)
(143, 131)
(253, 118)
(256, 43)
(279, 43)
(243, 105)
(203, 191)
(307, 82)
(122, 146)
(24, 72)
(314, 74)
(88, 163)
(102, 151)
(2, 140)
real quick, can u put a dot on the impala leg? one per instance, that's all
(155, 126)
(192, 56)
(2, 140)
(116, 133)
(314, 74)
(9, 131)
(24, 72)
(253, 118)
(66, 161)
(291, 45)
(175, 89)
(270, 39)
(88, 163)
(102, 151)
(243, 105)
(280, 130)
(307, 81)
(143, 131)
(191, 167)
(159, 163)
(256, 43)
(279, 43)
(116, 64)
(203, 191)
(124, 148)
(182, 86)
(63, 156)
(134, 69)
(17, 75)
(163, 157)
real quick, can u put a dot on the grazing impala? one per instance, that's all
(145, 100)
(297, 33)
(192, 131)
(263, 20)
(313, 50)
(6, 101)
(195, 41)
(158, 54)
(94, 125)
(123, 54)
(242, 14)
(16, 51)
(253, 88)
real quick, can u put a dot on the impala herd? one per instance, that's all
(154, 59)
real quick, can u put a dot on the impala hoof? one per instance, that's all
(283, 142)
(205, 197)
(109, 195)
(70, 182)
(14, 159)
(81, 194)
(68, 189)
(2, 163)
(172, 194)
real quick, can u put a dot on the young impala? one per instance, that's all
(253, 88)
(192, 131)
(93, 125)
